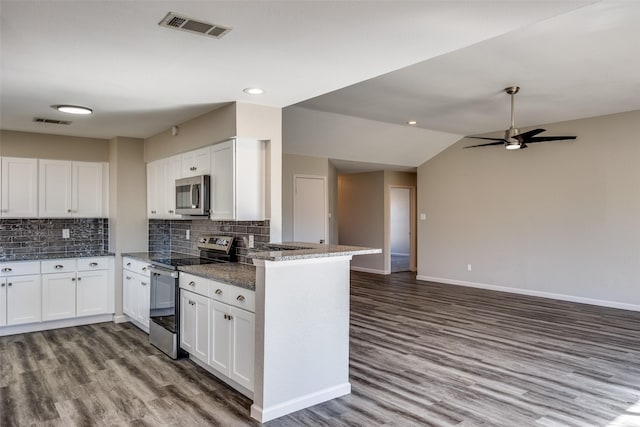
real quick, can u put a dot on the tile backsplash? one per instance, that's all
(19, 237)
(170, 235)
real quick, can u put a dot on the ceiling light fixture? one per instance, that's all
(253, 91)
(412, 123)
(73, 109)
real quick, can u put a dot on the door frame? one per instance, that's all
(326, 204)
(412, 229)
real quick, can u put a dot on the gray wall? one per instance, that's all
(556, 218)
(46, 146)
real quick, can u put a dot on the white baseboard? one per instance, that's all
(54, 324)
(370, 270)
(221, 377)
(399, 253)
(531, 292)
(120, 318)
(266, 414)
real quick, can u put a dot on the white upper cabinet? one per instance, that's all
(71, 189)
(238, 180)
(196, 162)
(19, 197)
(161, 187)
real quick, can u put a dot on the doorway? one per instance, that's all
(310, 213)
(401, 228)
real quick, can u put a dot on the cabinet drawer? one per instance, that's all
(59, 266)
(136, 266)
(242, 298)
(220, 291)
(19, 268)
(100, 263)
(196, 284)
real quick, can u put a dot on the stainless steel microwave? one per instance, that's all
(192, 195)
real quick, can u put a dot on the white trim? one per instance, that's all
(266, 414)
(326, 204)
(370, 270)
(313, 259)
(55, 324)
(400, 254)
(120, 318)
(221, 376)
(530, 292)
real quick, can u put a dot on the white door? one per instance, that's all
(24, 296)
(202, 336)
(3, 302)
(242, 347)
(91, 293)
(187, 321)
(58, 296)
(401, 228)
(310, 214)
(19, 188)
(219, 356)
(87, 189)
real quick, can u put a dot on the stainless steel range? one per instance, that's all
(164, 312)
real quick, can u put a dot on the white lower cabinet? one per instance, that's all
(91, 292)
(24, 296)
(223, 335)
(136, 292)
(58, 296)
(194, 324)
(3, 302)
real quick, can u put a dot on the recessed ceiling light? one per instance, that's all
(253, 91)
(73, 109)
(412, 122)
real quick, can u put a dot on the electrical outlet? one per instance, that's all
(468, 267)
(187, 235)
(65, 233)
(252, 241)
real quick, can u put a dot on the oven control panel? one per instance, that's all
(216, 243)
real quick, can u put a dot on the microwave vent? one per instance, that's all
(178, 22)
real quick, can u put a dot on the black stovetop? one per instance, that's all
(175, 260)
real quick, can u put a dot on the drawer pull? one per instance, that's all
(1, 285)
(79, 279)
(144, 268)
(68, 210)
(192, 283)
(7, 270)
(9, 284)
(128, 277)
(143, 283)
(218, 291)
(128, 264)
(58, 266)
(230, 317)
(73, 279)
(93, 264)
(241, 298)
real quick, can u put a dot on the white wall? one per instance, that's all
(558, 218)
(400, 220)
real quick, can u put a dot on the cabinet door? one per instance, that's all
(143, 302)
(187, 321)
(196, 162)
(3, 302)
(19, 188)
(223, 181)
(129, 287)
(201, 344)
(54, 189)
(172, 170)
(58, 296)
(87, 190)
(24, 296)
(242, 345)
(91, 292)
(219, 355)
(155, 194)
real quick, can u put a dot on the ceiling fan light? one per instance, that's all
(513, 145)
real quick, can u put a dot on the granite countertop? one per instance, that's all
(233, 273)
(148, 256)
(289, 251)
(54, 255)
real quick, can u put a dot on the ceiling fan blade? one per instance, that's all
(488, 139)
(548, 138)
(501, 142)
(529, 133)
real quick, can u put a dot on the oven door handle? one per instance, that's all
(163, 271)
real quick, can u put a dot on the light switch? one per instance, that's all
(65, 233)
(423, 216)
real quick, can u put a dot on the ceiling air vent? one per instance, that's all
(51, 121)
(173, 20)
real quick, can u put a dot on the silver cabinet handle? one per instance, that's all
(9, 284)
(93, 264)
(7, 270)
(230, 317)
(170, 211)
(143, 283)
(240, 298)
(73, 279)
(58, 266)
(79, 278)
(144, 268)
(192, 283)
(218, 291)
(128, 264)
(68, 210)
(153, 212)
(1, 285)
(128, 277)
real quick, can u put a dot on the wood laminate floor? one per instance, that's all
(422, 354)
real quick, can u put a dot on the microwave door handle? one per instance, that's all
(195, 195)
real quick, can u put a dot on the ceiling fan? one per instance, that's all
(513, 139)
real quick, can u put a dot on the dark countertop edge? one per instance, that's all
(55, 255)
(220, 277)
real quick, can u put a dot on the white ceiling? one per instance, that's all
(572, 58)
